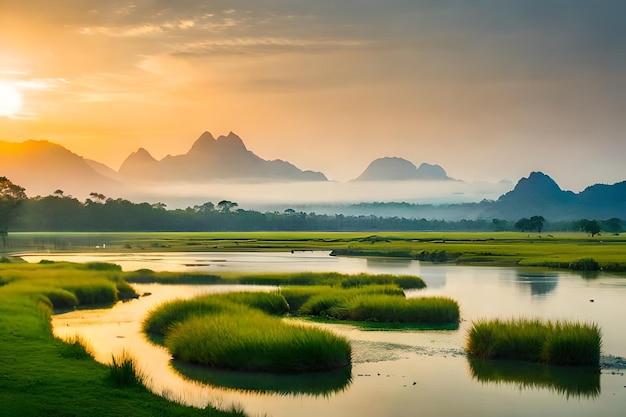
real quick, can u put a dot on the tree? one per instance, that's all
(226, 206)
(592, 227)
(536, 223)
(101, 198)
(613, 225)
(207, 207)
(11, 196)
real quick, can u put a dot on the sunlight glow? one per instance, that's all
(10, 100)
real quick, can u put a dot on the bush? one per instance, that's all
(585, 264)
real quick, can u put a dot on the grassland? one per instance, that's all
(41, 375)
(532, 340)
(557, 250)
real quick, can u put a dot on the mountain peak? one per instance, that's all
(430, 171)
(539, 182)
(231, 141)
(399, 169)
(538, 188)
(210, 159)
(203, 144)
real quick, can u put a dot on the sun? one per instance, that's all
(10, 100)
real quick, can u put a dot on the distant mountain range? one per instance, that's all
(223, 159)
(540, 195)
(43, 167)
(398, 169)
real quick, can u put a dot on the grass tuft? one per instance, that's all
(532, 340)
(123, 370)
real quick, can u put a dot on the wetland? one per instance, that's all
(394, 371)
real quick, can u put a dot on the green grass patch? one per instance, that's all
(532, 340)
(255, 341)
(558, 250)
(160, 319)
(374, 303)
(43, 376)
(124, 372)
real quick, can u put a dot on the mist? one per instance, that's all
(300, 195)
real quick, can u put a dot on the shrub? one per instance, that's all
(585, 264)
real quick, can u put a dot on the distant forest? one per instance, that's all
(58, 212)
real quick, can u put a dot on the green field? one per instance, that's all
(557, 250)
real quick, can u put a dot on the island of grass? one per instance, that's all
(244, 331)
(532, 340)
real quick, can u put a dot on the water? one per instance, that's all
(399, 373)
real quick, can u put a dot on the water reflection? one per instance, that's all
(540, 283)
(316, 384)
(576, 382)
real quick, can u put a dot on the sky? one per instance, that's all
(488, 89)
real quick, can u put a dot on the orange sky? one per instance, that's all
(490, 91)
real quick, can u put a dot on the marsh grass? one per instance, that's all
(147, 276)
(389, 309)
(44, 376)
(255, 341)
(161, 318)
(68, 285)
(374, 303)
(333, 279)
(533, 340)
(76, 348)
(123, 370)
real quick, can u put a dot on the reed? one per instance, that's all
(333, 279)
(388, 309)
(163, 316)
(375, 303)
(533, 340)
(123, 370)
(255, 341)
(76, 348)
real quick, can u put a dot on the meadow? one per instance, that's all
(556, 250)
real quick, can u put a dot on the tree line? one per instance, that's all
(59, 212)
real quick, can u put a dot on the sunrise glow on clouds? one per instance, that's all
(487, 89)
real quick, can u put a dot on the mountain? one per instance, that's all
(43, 167)
(540, 195)
(399, 169)
(223, 159)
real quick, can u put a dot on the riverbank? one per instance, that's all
(41, 375)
